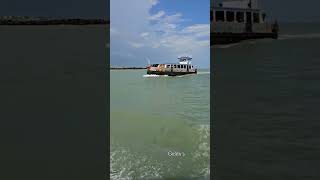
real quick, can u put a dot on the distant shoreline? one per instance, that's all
(14, 21)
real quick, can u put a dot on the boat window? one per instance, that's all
(220, 16)
(240, 17)
(174, 66)
(256, 18)
(168, 65)
(178, 66)
(263, 17)
(189, 67)
(249, 17)
(155, 65)
(230, 16)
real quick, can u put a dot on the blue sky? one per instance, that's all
(160, 30)
(197, 11)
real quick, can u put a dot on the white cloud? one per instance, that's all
(155, 45)
(145, 35)
(166, 23)
(157, 16)
(136, 45)
(175, 18)
(179, 40)
(158, 36)
(199, 30)
(154, 2)
(204, 43)
(113, 31)
(162, 17)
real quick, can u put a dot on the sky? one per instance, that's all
(159, 30)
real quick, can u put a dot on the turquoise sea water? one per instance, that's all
(267, 94)
(154, 116)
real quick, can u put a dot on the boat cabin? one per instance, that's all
(238, 16)
(184, 66)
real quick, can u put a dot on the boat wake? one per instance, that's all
(158, 76)
(226, 46)
(203, 73)
(128, 163)
(154, 75)
(299, 36)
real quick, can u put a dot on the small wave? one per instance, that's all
(126, 163)
(203, 73)
(299, 36)
(225, 46)
(157, 76)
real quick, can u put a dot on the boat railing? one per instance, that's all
(233, 27)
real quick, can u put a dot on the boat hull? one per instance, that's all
(170, 73)
(229, 38)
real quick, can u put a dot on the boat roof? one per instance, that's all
(185, 57)
(234, 9)
(188, 58)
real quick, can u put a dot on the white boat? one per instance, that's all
(235, 20)
(183, 67)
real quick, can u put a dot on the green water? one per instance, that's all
(151, 116)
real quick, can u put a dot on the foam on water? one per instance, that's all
(225, 46)
(299, 36)
(154, 75)
(157, 76)
(128, 164)
(203, 73)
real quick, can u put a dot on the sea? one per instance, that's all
(267, 96)
(54, 100)
(160, 126)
